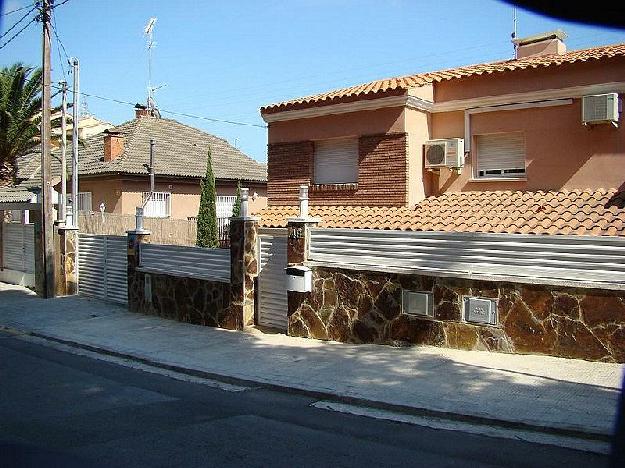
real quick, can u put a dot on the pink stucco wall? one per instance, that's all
(354, 124)
(532, 79)
(122, 196)
(561, 153)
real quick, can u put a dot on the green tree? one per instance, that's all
(207, 235)
(236, 208)
(20, 115)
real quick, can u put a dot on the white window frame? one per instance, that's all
(159, 207)
(347, 156)
(511, 173)
(225, 205)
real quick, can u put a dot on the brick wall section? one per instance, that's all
(382, 173)
(288, 166)
(383, 169)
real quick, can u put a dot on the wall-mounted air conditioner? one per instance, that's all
(600, 108)
(448, 152)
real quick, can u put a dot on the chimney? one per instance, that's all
(551, 43)
(113, 145)
(142, 111)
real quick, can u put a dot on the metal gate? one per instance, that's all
(18, 254)
(272, 296)
(102, 267)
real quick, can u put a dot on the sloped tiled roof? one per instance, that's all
(399, 85)
(575, 212)
(180, 150)
(15, 194)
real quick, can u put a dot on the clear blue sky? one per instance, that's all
(225, 59)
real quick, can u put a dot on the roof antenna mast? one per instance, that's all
(149, 32)
(514, 29)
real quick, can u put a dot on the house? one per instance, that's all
(480, 207)
(114, 176)
(520, 121)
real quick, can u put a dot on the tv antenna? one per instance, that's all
(148, 31)
(514, 21)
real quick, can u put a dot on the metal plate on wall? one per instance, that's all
(417, 303)
(480, 310)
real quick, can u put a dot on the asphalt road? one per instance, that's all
(62, 409)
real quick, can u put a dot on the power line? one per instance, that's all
(59, 43)
(165, 111)
(8, 41)
(16, 23)
(19, 9)
(232, 122)
(59, 4)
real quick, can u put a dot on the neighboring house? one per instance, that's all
(520, 121)
(113, 168)
(88, 126)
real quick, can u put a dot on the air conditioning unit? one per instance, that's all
(600, 108)
(448, 152)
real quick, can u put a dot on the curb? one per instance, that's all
(321, 395)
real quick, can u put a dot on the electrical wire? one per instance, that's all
(60, 45)
(165, 111)
(8, 41)
(19, 9)
(17, 22)
(59, 4)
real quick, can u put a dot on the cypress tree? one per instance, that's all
(207, 235)
(236, 208)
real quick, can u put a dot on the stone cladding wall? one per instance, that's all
(365, 307)
(188, 300)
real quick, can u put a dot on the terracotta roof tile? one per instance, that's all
(181, 151)
(399, 85)
(465, 212)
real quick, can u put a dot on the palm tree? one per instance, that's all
(20, 116)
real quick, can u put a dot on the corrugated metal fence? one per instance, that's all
(195, 262)
(19, 247)
(581, 259)
(102, 267)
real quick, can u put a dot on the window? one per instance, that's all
(225, 203)
(158, 206)
(336, 161)
(16, 216)
(500, 155)
(84, 201)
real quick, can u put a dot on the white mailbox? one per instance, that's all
(298, 278)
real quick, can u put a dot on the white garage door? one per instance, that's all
(272, 297)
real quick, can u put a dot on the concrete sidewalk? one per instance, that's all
(561, 396)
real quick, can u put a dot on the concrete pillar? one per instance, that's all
(65, 260)
(243, 273)
(136, 286)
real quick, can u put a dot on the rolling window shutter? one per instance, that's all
(336, 161)
(501, 155)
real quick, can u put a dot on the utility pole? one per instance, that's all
(62, 214)
(47, 240)
(76, 105)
